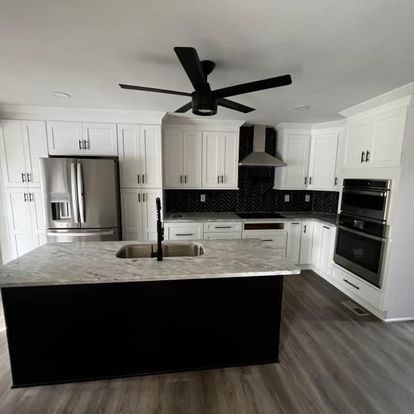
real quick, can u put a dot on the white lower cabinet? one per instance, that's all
(305, 256)
(323, 247)
(25, 219)
(183, 231)
(139, 220)
(294, 229)
(219, 230)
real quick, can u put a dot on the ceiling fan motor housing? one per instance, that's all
(204, 103)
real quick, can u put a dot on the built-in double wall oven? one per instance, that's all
(362, 228)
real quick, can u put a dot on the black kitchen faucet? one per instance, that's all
(160, 232)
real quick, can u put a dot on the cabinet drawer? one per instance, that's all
(222, 227)
(357, 286)
(184, 231)
(277, 237)
(221, 236)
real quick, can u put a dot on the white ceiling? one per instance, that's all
(339, 52)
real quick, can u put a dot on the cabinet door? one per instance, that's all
(326, 253)
(322, 167)
(388, 140)
(293, 241)
(12, 154)
(149, 214)
(38, 217)
(297, 160)
(358, 140)
(100, 139)
(317, 246)
(151, 156)
(192, 158)
(130, 156)
(173, 159)
(34, 135)
(212, 159)
(65, 138)
(131, 208)
(230, 149)
(306, 243)
(19, 220)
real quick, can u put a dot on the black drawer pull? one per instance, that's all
(184, 234)
(326, 227)
(267, 239)
(222, 227)
(349, 283)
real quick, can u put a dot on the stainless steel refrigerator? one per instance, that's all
(81, 198)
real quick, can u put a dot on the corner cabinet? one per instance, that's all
(139, 156)
(310, 160)
(82, 138)
(375, 141)
(220, 160)
(139, 214)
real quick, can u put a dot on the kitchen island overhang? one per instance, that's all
(97, 328)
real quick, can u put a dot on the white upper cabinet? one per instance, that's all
(182, 158)
(99, 139)
(139, 155)
(22, 143)
(375, 141)
(322, 163)
(65, 138)
(76, 138)
(212, 157)
(294, 151)
(220, 159)
(192, 158)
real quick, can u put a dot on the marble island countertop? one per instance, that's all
(95, 262)
(205, 217)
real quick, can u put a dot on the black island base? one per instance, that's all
(81, 332)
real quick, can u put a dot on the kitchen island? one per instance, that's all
(75, 311)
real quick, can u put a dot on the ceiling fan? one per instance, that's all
(204, 101)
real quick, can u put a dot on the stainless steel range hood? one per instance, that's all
(260, 158)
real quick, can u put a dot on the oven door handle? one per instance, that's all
(375, 193)
(360, 233)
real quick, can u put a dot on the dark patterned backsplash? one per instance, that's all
(255, 192)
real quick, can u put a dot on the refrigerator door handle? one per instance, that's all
(74, 192)
(79, 233)
(81, 199)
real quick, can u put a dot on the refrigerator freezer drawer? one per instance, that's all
(78, 235)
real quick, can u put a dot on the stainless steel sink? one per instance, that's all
(136, 251)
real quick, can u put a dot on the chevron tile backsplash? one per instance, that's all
(255, 190)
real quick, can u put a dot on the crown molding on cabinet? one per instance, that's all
(52, 113)
(190, 123)
(396, 98)
(320, 127)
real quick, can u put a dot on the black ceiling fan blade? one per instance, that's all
(145, 89)
(253, 86)
(191, 63)
(234, 105)
(185, 108)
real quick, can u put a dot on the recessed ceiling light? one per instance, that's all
(302, 108)
(61, 94)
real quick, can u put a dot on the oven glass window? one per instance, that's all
(365, 201)
(358, 249)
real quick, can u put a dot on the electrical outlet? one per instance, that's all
(307, 198)
(202, 198)
(287, 198)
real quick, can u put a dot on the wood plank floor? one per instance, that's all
(332, 361)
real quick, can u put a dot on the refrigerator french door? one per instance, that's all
(81, 198)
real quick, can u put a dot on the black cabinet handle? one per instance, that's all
(367, 157)
(304, 228)
(326, 227)
(349, 283)
(310, 180)
(222, 227)
(362, 156)
(184, 234)
(336, 181)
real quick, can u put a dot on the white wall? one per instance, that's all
(399, 296)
